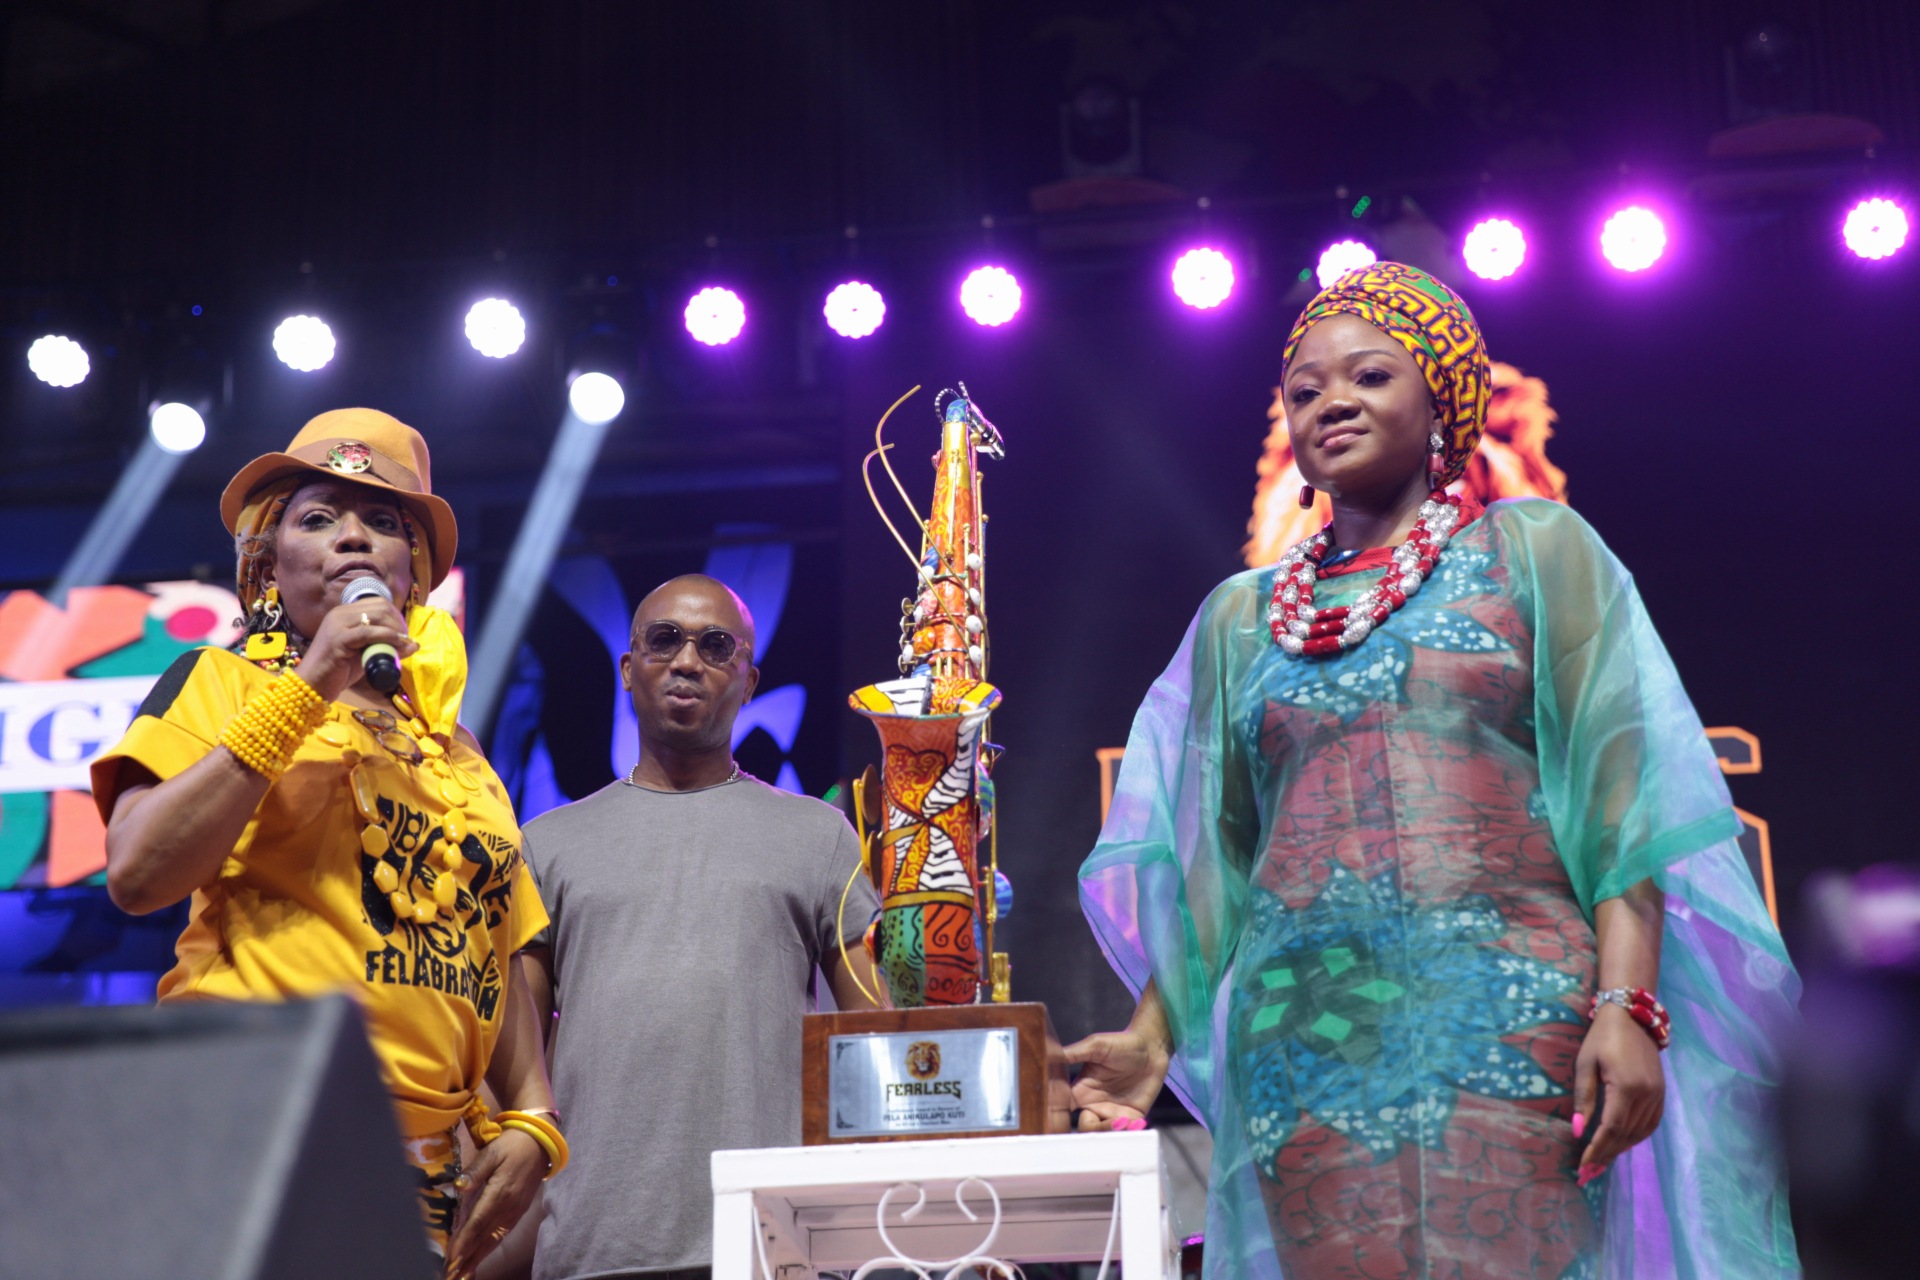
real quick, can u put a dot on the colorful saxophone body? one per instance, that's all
(924, 823)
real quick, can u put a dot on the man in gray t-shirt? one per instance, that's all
(691, 904)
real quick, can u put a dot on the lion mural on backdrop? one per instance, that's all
(1511, 463)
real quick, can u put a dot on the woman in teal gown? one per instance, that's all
(1365, 894)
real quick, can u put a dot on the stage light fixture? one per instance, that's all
(176, 427)
(1341, 257)
(854, 309)
(173, 431)
(990, 296)
(1876, 228)
(596, 398)
(1494, 249)
(58, 361)
(716, 316)
(304, 343)
(496, 328)
(1203, 278)
(1633, 239)
(593, 401)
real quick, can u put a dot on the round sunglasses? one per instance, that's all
(662, 641)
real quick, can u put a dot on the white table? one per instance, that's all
(815, 1207)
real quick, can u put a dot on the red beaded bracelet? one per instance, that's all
(1641, 1007)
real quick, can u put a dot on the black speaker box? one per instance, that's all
(219, 1140)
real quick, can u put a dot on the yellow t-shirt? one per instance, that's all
(295, 910)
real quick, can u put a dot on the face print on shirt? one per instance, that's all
(452, 952)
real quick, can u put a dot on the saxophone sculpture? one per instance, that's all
(925, 818)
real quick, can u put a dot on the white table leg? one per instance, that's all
(735, 1226)
(1143, 1243)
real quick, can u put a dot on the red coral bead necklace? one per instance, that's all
(1304, 631)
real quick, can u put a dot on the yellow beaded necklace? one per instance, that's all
(409, 741)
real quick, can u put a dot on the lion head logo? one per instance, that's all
(923, 1060)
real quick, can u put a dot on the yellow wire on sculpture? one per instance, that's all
(866, 474)
(840, 921)
(882, 448)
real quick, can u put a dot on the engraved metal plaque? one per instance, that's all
(932, 1082)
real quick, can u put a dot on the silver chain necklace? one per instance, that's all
(731, 777)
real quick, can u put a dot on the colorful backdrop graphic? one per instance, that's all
(72, 675)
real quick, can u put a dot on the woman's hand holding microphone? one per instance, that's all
(365, 618)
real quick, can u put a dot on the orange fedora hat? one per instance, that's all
(366, 447)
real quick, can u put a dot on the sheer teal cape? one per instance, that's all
(1632, 791)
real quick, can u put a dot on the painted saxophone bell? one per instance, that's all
(924, 820)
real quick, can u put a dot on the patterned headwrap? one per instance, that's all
(258, 521)
(1435, 327)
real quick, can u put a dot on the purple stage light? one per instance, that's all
(990, 296)
(1341, 257)
(1203, 278)
(1494, 249)
(1876, 228)
(1633, 239)
(854, 309)
(716, 316)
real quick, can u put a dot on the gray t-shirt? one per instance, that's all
(686, 928)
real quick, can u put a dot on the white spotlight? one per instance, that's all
(176, 427)
(596, 398)
(1341, 257)
(304, 343)
(58, 361)
(495, 327)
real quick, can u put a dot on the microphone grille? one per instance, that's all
(366, 587)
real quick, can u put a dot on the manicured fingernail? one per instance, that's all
(1579, 1124)
(1128, 1124)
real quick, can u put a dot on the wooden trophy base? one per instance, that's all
(951, 1071)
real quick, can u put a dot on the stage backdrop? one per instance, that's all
(1745, 443)
(1745, 440)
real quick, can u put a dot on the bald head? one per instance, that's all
(680, 599)
(684, 702)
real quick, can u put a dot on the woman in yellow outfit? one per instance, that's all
(335, 837)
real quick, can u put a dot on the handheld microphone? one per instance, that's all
(380, 661)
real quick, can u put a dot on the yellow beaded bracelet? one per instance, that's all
(273, 724)
(266, 733)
